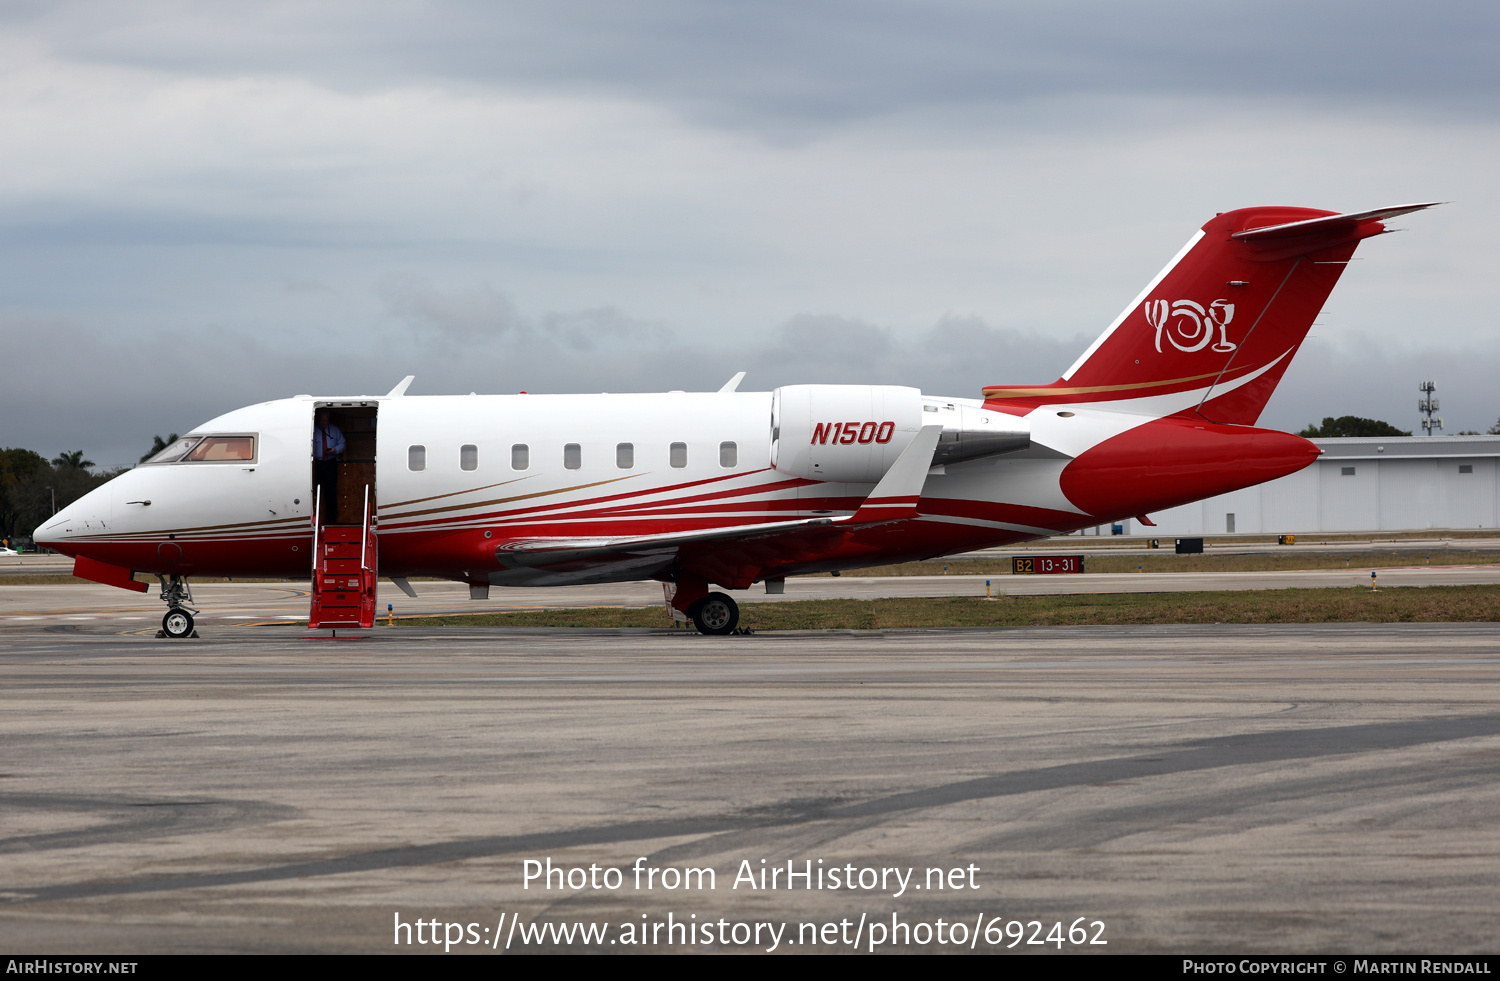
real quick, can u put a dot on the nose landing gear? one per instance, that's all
(178, 623)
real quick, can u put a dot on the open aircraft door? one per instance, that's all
(345, 561)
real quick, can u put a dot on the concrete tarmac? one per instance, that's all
(1208, 789)
(241, 604)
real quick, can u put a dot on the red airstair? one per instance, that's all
(343, 575)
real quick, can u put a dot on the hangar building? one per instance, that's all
(1402, 483)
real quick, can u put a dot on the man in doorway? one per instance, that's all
(328, 443)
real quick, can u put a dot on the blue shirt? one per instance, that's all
(328, 442)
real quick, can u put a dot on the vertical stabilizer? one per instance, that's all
(1224, 318)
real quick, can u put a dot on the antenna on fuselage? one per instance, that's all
(400, 388)
(732, 383)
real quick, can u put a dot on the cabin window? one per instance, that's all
(520, 456)
(729, 454)
(220, 449)
(625, 455)
(468, 457)
(1466, 468)
(678, 455)
(1346, 472)
(572, 456)
(416, 458)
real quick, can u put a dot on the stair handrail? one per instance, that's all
(364, 537)
(317, 536)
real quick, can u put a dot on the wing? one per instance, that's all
(578, 559)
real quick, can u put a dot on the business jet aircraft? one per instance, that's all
(733, 488)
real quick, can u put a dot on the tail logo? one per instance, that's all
(1188, 326)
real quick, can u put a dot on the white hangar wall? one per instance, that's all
(1405, 483)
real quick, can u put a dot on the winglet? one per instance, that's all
(732, 383)
(896, 496)
(400, 388)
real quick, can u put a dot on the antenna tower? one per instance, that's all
(1427, 405)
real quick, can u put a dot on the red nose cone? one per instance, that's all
(1174, 461)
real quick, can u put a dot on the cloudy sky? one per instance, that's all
(206, 205)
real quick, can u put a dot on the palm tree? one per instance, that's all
(72, 460)
(159, 444)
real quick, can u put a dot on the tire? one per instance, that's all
(177, 624)
(716, 614)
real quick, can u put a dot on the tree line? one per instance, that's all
(33, 488)
(1359, 426)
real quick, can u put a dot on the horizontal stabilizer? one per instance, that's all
(1326, 223)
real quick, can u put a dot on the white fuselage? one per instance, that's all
(593, 467)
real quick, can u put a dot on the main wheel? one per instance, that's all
(177, 623)
(715, 614)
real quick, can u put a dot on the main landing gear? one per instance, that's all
(178, 623)
(715, 614)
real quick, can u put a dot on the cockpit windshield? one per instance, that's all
(215, 448)
(176, 450)
(208, 449)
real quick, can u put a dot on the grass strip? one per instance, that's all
(1207, 562)
(1409, 604)
(43, 579)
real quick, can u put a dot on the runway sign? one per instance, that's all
(1045, 565)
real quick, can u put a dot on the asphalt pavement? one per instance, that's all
(1225, 789)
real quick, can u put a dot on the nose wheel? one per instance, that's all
(715, 614)
(177, 624)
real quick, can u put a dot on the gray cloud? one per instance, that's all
(196, 199)
(489, 317)
(455, 317)
(1363, 376)
(604, 329)
(831, 348)
(109, 393)
(75, 388)
(782, 65)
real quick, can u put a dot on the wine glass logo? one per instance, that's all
(1189, 326)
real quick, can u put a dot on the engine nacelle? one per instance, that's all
(970, 432)
(854, 433)
(842, 432)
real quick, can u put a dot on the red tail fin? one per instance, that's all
(1224, 318)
